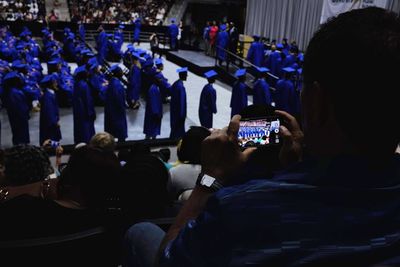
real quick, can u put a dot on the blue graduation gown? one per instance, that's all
(135, 83)
(239, 98)
(115, 111)
(83, 111)
(285, 98)
(208, 106)
(178, 109)
(223, 42)
(274, 63)
(153, 113)
(165, 86)
(98, 90)
(82, 32)
(136, 32)
(101, 46)
(17, 107)
(173, 32)
(262, 95)
(256, 54)
(49, 117)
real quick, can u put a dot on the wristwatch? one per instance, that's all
(208, 181)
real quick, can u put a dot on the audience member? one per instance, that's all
(183, 176)
(334, 198)
(83, 189)
(104, 141)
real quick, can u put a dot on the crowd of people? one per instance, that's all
(24, 10)
(152, 12)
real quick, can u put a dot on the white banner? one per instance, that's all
(335, 7)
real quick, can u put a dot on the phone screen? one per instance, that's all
(259, 132)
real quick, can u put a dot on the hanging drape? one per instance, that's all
(291, 19)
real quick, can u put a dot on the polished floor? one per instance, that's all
(135, 118)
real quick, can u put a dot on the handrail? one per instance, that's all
(242, 60)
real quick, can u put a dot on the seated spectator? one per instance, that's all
(25, 164)
(82, 191)
(183, 177)
(104, 141)
(337, 203)
(144, 187)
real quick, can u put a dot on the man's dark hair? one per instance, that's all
(356, 58)
(190, 148)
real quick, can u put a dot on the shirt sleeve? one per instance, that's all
(201, 242)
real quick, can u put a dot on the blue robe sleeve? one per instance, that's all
(119, 96)
(213, 95)
(51, 114)
(182, 100)
(88, 102)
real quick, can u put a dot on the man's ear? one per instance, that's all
(318, 106)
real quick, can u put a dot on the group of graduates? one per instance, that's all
(278, 65)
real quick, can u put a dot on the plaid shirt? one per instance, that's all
(318, 213)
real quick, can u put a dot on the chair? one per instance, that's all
(86, 248)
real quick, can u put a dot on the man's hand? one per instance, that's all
(292, 149)
(221, 156)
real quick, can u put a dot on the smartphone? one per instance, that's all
(255, 132)
(54, 144)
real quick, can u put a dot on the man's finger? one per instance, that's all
(285, 134)
(233, 127)
(247, 152)
(289, 119)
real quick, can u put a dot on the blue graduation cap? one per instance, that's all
(48, 78)
(158, 61)
(173, 20)
(288, 70)
(222, 27)
(17, 64)
(11, 75)
(70, 36)
(263, 70)
(66, 29)
(137, 20)
(240, 72)
(141, 51)
(185, 69)
(148, 63)
(79, 70)
(92, 61)
(85, 51)
(210, 74)
(115, 67)
(136, 55)
(93, 66)
(256, 37)
(279, 46)
(121, 26)
(20, 47)
(53, 62)
(300, 71)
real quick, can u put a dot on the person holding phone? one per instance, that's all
(336, 202)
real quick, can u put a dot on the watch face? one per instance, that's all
(207, 181)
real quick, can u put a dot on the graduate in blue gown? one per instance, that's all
(208, 101)
(173, 32)
(239, 94)
(285, 95)
(17, 107)
(49, 114)
(274, 61)
(114, 108)
(82, 31)
(83, 108)
(134, 82)
(136, 31)
(165, 86)
(222, 43)
(178, 105)
(98, 83)
(256, 52)
(101, 43)
(261, 92)
(154, 110)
